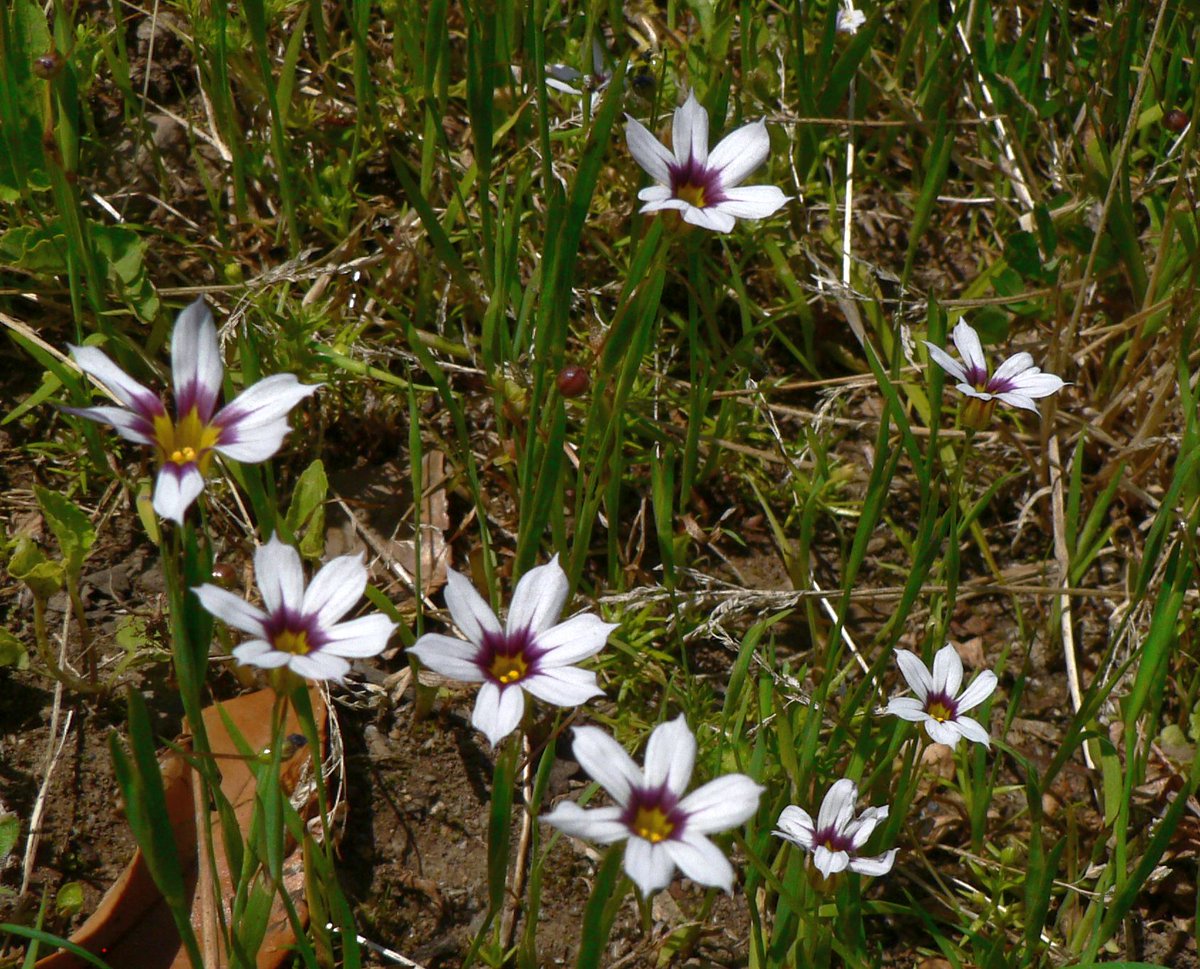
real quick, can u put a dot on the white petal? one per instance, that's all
(606, 762)
(838, 807)
(335, 589)
(280, 576)
(539, 598)
(670, 756)
(196, 367)
(709, 218)
(947, 671)
(689, 132)
(232, 610)
(365, 636)
(830, 862)
(602, 825)
(701, 861)
(560, 85)
(752, 202)
(973, 730)
(581, 636)
(943, 732)
(740, 153)
(260, 654)
(650, 867)
(915, 673)
(268, 401)
(1021, 401)
(670, 203)
(970, 391)
(946, 362)
(969, 347)
(648, 152)
(721, 804)
(879, 865)
(127, 390)
(796, 825)
(450, 657)
(860, 829)
(255, 444)
(907, 708)
(563, 686)
(129, 424)
(1017, 364)
(980, 689)
(1039, 384)
(468, 610)
(498, 711)
(655, 193)
(320, 666)
(175, 490)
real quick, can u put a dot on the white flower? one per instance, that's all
(702, 186)
(1016, 381)
(838, 835)
(937, 703)
(850, 19)
(562, 76)
(532, 653)
(299, 628)
(664, 828)
(249, 429)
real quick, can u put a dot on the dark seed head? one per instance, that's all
(1175, 120)
(224, 575)
(572, 381)
(48, 65)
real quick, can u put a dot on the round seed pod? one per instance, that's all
(1175, 120)
(48, 66)
(572, 381)
(224, 575)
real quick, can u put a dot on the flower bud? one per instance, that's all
(1175, 120)
(572, 381)
(48, 66)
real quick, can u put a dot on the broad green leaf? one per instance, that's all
(71, 526)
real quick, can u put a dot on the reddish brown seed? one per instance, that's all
(48, 65)
(572, 381)
(1175, 120)
(224, 575)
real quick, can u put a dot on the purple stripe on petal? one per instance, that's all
(693, 177)
(195, 395)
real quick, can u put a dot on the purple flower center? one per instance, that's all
(653, 814)
(941, 706)
(833, 840)
(696, 184)
(978, 377)
(290, 632)
(509, 657)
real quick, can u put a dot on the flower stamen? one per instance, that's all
(509, 669)
(652, 824)
(293, 641)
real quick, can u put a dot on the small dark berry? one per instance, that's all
(572, 381)
(1175, 120)
(224, 575)
(48, 65)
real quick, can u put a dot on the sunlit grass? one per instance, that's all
(764, 480)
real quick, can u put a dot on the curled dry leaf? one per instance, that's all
(132, 927)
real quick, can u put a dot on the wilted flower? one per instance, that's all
(249, 429)
(299, 627)
(849, 19)
(532, 653)
(838, 836)
(664, 828)
(701, 186)
(938, 703)
(562, 76)
(1016, 381)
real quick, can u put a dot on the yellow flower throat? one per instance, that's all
(186, 441)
